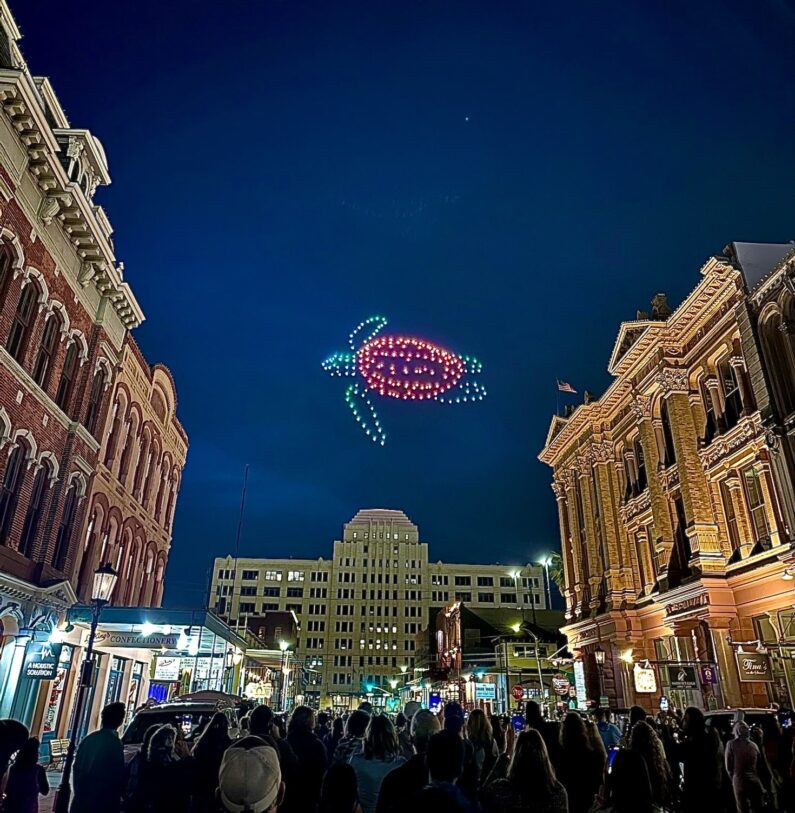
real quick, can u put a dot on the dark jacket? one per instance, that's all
(25, 783)
(99, 775)
(401, 784)
(207, 763)
(311, 754)
(168, 785)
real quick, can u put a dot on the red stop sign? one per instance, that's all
(517, 692)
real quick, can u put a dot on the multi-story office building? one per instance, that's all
(674, 493)
(360, 612)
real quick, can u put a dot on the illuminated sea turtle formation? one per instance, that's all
(403, 367)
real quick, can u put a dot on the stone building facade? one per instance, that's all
(673, 499)
(360, 613)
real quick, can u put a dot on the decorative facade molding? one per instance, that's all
(673, 379)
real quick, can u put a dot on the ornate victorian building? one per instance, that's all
(675, 508)
(134, 491)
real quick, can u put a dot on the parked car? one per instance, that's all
(723, 720)
(188, 716)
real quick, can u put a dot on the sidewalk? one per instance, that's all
(46, 802)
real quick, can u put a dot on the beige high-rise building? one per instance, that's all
(360, 611)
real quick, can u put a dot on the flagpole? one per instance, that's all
(557, 398)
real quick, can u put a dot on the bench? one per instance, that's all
(58, 749)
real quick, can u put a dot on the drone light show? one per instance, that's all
(404, 367)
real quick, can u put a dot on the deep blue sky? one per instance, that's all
(282, 169)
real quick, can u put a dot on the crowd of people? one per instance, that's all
(418, 761)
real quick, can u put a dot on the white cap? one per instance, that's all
(249, 778)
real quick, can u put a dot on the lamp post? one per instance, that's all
(284, 646)
(545, 562)
(102, 589)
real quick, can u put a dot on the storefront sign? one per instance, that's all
(754, 667)
(687, 604)
(579, 683)
(41, 660)
(682, 677)
(134, 639)
(485, 691)
(167, 668)
(709, 675)
(560, 684)
(645, 679)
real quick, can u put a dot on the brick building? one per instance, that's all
(75, 393)
(673, 500)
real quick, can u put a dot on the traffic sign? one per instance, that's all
(517, 692)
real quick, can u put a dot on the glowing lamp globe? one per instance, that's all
(104, 582)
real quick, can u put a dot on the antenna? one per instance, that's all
(237, 540)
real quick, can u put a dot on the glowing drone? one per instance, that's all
(402, 367)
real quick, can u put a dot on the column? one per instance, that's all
(608, 499)
(565, 548)
(727, 668)
(714, 394)
(659, 501)
(591, 540)
(644, 558)
(701, 528)
(574, 537)
(735, 489)
(738, 365)
(771, 501)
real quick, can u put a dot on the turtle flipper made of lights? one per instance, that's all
(403, 367)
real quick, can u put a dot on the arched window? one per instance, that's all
(640, 462)
(777, 347)
(129, 445)
(115, 431)
(5, 273)
(35, 509)
(95, 401)
(23, 322)
(733, 404)
(65, 528)
(9, 492)
(668, 438)
(49, 341)
(65, 386)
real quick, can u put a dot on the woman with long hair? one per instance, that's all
(168, 777)
(479, 733)
(627, 789)
(531, 785)
(135, 791)
(208, 753)
(644, 741)
(380, 754)
(340, 790)
(26, 780)
(581, 768)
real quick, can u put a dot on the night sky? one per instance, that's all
(510, 179)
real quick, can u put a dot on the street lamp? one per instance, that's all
(102, 589)
(599, 657)
(284, 646)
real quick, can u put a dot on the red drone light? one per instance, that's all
(408, 368)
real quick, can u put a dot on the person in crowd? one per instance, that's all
(322, 725)
(644, 741)
(311, 754)
(498, 731)
(742, 760)
(531, 785)
(13, 735)
(445, 760)
(250, 779)
(168, 779)
(208, 753)
(480, 736)
(27, 780)
(401, 783)
(595, 740)
(608, 731)
(332, 739)
(702, 764)
(262, 723)
(549, 730)
(134, 798)
(355, 727)
(339, 792)
(454, 722)
(404, 732)
(627, 787)
(366, 706)
(581, 768)
(770, 779)
(99, 775)
(379, 755)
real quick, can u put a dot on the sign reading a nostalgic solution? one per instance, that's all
(41, 660)
(754, 666)
(682, 677)
(645, 679)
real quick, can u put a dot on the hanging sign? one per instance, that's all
(709, 675)
(753, 666)
(167, 668)
(579, 683)
(560, 684)
(645, 679)
(485, 691)
(41, 660)
(682, 677)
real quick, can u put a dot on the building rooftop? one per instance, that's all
(368, 515)
(756, 260)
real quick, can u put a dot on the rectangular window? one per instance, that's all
(296, 608)
(295, 592)
(248, 591)
(295, 575)
(250, 575)
(508, 598)
(270, 592)
(756, 504)
(506, 581)
(269, 607)
(485, 581)
(486, 598)
(246, 607)
(273, 575)
(463, 581)
(731, 516)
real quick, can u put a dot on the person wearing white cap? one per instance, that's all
(250, 780)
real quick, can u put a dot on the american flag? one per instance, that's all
(564, 386)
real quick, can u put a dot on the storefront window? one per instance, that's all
(781, 689)
(134, 689)
(115, 678)
(57, 686)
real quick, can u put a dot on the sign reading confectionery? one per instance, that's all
(753, 666)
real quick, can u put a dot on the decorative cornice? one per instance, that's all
(641, 407)
(672, 379)
(746, 430)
